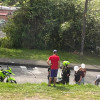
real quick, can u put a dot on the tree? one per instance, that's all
(84, 27)
(49, 24)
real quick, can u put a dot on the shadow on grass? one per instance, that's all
(62, 87)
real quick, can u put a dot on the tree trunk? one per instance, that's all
(84, 27)
(31, 1)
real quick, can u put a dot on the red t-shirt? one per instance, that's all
(54, 61)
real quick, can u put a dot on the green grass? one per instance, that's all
(44, 54)
(60, 92)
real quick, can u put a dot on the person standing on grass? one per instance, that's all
(78, 75)
(65, 72)
(83, 72)
(54, 63)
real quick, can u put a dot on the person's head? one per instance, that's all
(82, 67)
(54, 51)
(66, 63)
(76, 68)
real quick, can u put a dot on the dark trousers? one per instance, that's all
(65, 80)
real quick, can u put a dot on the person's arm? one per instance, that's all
(48, 62)
(68, 72)
(95, 82)
(80, 79)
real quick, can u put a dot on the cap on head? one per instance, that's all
(54, 51)
(82, 65)
(76, 68)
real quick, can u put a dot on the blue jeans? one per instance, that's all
(78, 83)
(82, 81)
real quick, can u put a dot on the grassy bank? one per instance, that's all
(42, 91)
(44, 54)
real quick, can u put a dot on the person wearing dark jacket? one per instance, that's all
(65, 72)
(78, 75)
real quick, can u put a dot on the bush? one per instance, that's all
(5, 42)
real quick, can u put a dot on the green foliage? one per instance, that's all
(93, 26)
(13, 2)
(13, 33)
(46, 24)
(5, 42)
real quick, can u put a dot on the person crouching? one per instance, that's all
(78, 75)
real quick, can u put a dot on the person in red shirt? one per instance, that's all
(54, 63)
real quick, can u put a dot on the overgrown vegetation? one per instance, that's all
(45, 24)
(41, 91)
